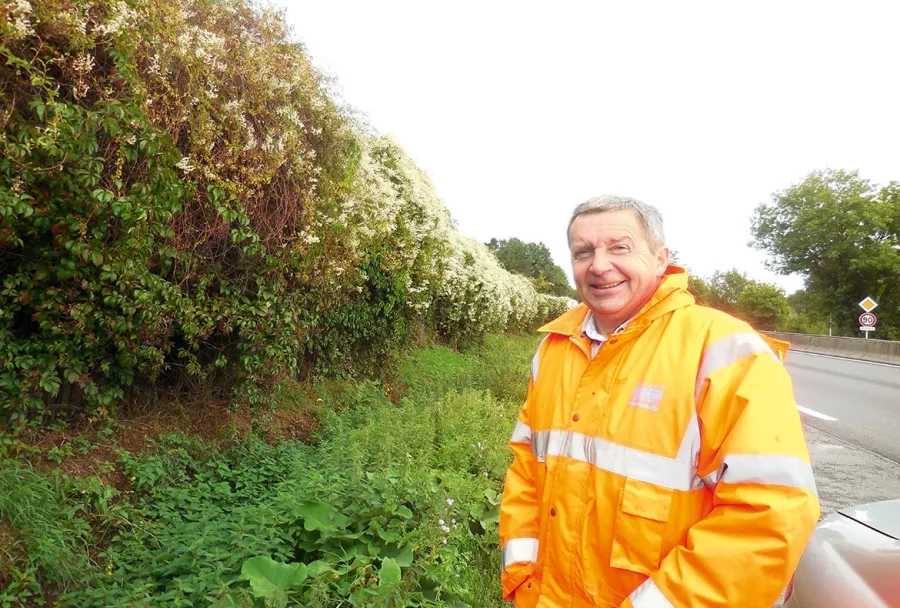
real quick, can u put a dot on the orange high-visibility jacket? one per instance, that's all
(669, 471)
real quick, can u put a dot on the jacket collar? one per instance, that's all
(671, 294)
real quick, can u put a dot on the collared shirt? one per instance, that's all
(589, 330)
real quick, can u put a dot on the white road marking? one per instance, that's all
(815, 414)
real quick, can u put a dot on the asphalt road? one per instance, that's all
(851, 419)
(856, 401)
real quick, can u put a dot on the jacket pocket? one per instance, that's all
(640, 526)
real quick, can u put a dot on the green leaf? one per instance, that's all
(491, 517)
(390, 573)
(405, 556)
(267, 576)
(49, 382)
(320, 516)
(318, 568)
(492, 496)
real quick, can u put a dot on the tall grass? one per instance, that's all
(414, 483)
(45, 535)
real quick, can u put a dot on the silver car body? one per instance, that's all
(851, 561)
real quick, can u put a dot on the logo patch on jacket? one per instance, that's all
(647, 396)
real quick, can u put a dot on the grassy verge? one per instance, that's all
(393, 503)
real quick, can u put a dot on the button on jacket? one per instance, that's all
(667, 470)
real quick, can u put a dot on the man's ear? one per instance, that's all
(662, 260)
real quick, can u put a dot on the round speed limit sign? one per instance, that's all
(867, 319)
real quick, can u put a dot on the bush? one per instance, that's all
(181, 203)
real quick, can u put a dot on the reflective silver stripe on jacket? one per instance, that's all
(676, 473)
(521, 433)
(536, 359)
(722, 353)
(765, 469)
(648, 595)
(520, 550)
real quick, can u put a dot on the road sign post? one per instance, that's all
(867, 323)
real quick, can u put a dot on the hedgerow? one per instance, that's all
(181, 201)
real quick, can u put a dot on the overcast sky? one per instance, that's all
(518, 111)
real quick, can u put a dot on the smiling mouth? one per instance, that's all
(606, 286)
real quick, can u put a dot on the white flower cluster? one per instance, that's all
(395, 202)
(185, 164)
(20, 18)
(122, 17)
(204, 45)
(83, 64)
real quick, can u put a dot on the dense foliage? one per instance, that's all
(181, 202)
(534, 261)
(396, 504)
(762, 305)
(842, 233)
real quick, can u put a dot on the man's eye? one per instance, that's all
(621, 248)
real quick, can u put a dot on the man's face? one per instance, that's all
(615, 270)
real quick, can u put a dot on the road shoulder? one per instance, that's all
(847, 474)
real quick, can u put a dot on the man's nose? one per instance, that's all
(600, 262)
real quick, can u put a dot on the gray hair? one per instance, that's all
(648, 215)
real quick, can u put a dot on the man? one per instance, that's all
(659, 458)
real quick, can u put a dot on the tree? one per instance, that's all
(532, 260)
(842, 234)
(762, 305)
(806, 317)
(700, 289)
(726, 289)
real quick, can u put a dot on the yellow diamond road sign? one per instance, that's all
(868, 304)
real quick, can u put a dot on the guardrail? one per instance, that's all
(882, 351)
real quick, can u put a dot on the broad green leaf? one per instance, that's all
(492, 496)
(390, 572)
(403, 555)
(318, 568)
(266, 575)
(320, 516)
(275, 598)
(491, 517)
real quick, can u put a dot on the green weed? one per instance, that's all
(395, 505)
(46, 540)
